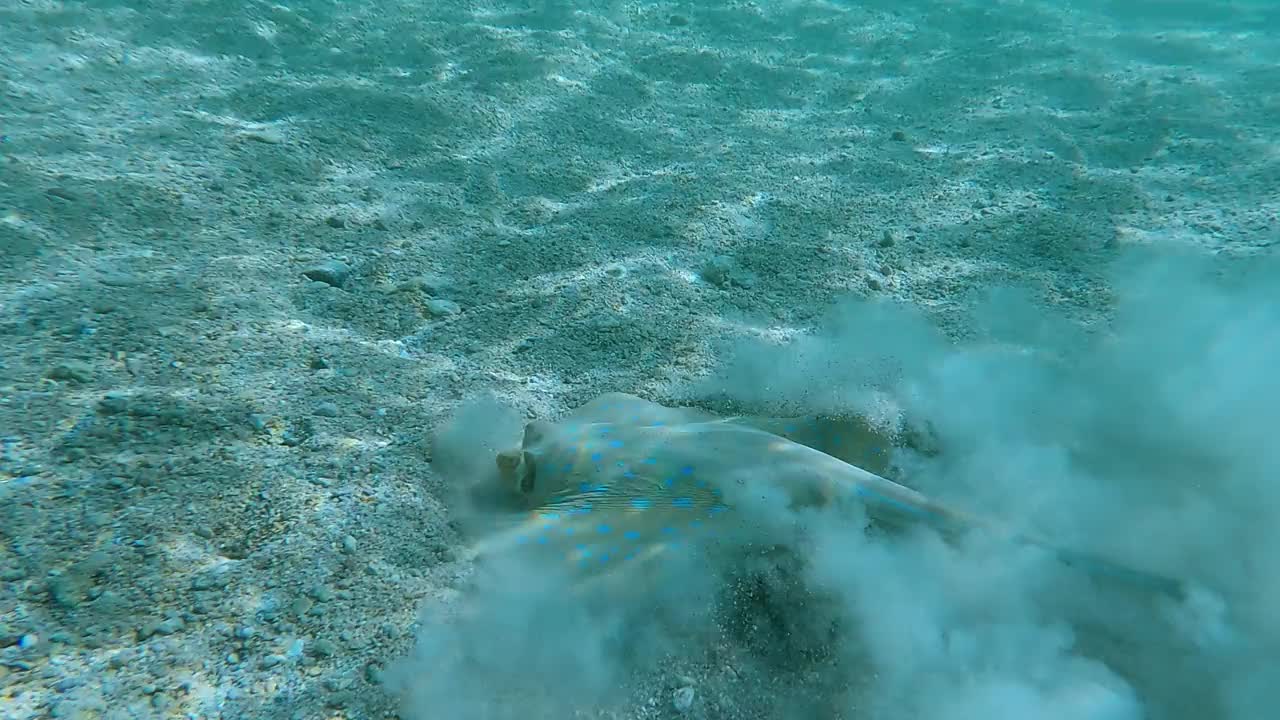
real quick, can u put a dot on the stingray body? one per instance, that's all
(622, 482)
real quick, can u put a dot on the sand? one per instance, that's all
(254, 254)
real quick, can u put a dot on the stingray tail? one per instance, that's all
(892, 504)
(1102, 568)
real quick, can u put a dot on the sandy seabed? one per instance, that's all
(255, 254)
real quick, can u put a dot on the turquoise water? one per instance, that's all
(263, 263)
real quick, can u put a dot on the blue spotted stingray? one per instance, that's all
(622, 481)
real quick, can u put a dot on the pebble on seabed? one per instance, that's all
(682, 699)
(329, 272)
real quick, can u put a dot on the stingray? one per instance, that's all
(621, 483)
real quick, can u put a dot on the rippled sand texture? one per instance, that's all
(253, 254)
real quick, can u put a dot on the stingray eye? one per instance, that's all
(537, 431)
(508, 461)
(528, 478)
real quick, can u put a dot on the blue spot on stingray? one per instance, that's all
(668, 530)
(700, 483)
(605, 430)
(604, 529)
(521, 540)
(542, 540)
(686, 470)
(595, 457)
(669, 482)
(551, 517)
(615, 443)
(631, 535)
(568, 468)
(628, 475)
(696, 524)
(621, 463)
(650, 461)
(604, 557)
(641, 503)
(657, 423)
(568, 530)
(717, 510)
(682, 502)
